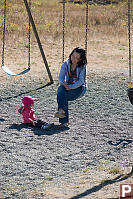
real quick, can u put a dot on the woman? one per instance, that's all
(72, 82)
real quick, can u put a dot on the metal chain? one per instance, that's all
(63, 29)
(86, 34)
(4, 28)
(29, 38)
(129, 37)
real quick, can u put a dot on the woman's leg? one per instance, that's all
(62, 103)
(63, 96)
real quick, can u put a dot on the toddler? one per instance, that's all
(28, 114)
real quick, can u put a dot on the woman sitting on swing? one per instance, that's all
(72, 82)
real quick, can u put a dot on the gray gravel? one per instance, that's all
(101, 128)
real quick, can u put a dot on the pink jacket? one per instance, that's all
(28, 114)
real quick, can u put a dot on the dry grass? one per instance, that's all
(48, 18)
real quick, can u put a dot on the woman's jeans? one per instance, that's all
(63, 96)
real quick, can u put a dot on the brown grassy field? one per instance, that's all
(103, 19)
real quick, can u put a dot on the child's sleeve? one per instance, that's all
(20, 110)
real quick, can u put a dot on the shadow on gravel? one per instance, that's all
(96, 188)
(2, 120)
(18, 126)
(53, 130)
(120, 141)
(22, 93)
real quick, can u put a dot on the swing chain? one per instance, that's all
(29, 38)
(86, 34)
(129, 37)
(63, 36)
(4, 28)
(63, 26)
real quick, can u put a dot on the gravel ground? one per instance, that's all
(101, 128)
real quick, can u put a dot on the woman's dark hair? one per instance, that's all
(82, 53)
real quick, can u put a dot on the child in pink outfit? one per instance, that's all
(28, 114)
(26, 110)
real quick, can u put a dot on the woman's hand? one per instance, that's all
(66, 86)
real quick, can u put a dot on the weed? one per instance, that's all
(86, 170)
(77, 186)
(104, 181)
(1, 24)
(12, 27)
(114, 171)
(102, 168)
(33, 92)
(49, 26)
(33, 63)
(49, 178)
(26, 45)
(105, 161)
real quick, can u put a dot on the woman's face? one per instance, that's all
(75, 58)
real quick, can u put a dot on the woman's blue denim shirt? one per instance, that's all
(64, 75)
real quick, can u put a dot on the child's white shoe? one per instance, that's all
(47, 126)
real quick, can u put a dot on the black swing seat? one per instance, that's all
(130, 94)
(9, 72)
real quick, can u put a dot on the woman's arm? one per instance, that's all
(62, 73)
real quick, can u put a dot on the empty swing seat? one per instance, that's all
(130, 94)
(9, 72)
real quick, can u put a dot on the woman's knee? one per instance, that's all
(61, 89)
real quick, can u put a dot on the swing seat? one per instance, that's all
(9, 72)
(130, 94)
